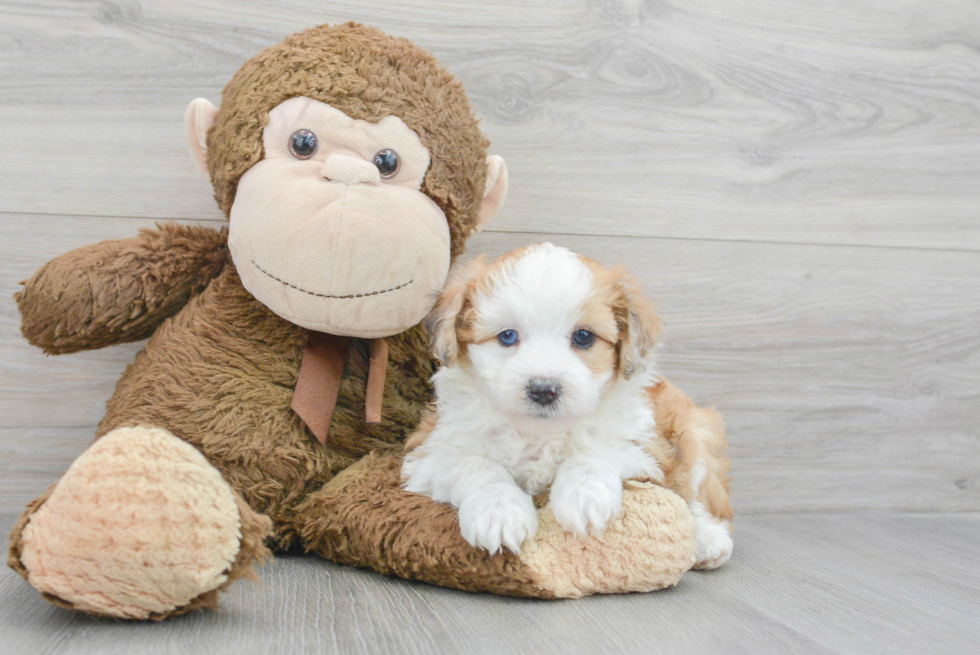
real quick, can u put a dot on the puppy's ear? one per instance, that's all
(442, 321)
(639, 325)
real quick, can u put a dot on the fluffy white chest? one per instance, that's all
(532, 460)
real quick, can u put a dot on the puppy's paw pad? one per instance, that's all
(714, 544)
(583, 503)
(503, 517)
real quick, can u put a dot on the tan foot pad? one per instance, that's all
(140, 524)
(648, 546)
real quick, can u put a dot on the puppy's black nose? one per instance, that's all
(543, 391)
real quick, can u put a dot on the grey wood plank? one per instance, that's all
(721, 119)
(848, 376)
(797, 584)
(843, 578)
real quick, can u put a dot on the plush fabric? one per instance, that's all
(118, 291)
(493, 195)
(200, 462)
(647, 547)
(368, 75)
(365, 519)
(346, 137)
(141, 525)
(201, 114)
(325, 242)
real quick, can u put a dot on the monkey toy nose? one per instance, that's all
(543, 391)
(350, 170)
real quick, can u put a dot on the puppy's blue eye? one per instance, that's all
(583, 338)
(507, 337)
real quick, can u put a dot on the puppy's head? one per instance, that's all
(547, 332)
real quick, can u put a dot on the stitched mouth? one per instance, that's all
(325, 295)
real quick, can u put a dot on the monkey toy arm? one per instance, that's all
(117, 291)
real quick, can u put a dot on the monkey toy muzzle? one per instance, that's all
(331, 231)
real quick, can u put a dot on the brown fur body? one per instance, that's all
(220, 375)
(220, 368)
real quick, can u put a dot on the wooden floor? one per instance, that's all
(888, 583)
(796, 183)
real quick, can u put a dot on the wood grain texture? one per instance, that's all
(840, 122)
(815, 584)
(796, 183)
(849, 377)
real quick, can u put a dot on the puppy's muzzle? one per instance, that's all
(543, 391)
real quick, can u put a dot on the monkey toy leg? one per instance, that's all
(140, 527)
(364, 518)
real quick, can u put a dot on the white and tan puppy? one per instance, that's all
(548, 380)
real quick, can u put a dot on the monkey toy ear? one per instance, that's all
(495, 191)
(199, 118)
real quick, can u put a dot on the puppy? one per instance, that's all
(548, 380)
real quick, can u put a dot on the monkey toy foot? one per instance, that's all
(141, 526)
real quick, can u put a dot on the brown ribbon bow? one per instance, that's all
(318, 384)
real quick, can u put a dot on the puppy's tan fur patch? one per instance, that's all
(686, 435)
(452, 322)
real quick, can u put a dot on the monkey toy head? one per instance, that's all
(352, 170)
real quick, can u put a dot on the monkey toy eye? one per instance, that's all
(583, 339)
(507, 337)
(387, 162)
(303, 144)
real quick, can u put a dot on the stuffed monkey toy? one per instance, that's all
(286, 361)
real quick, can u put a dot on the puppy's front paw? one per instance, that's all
(585, 499)
(502, 515)
(714, 544)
